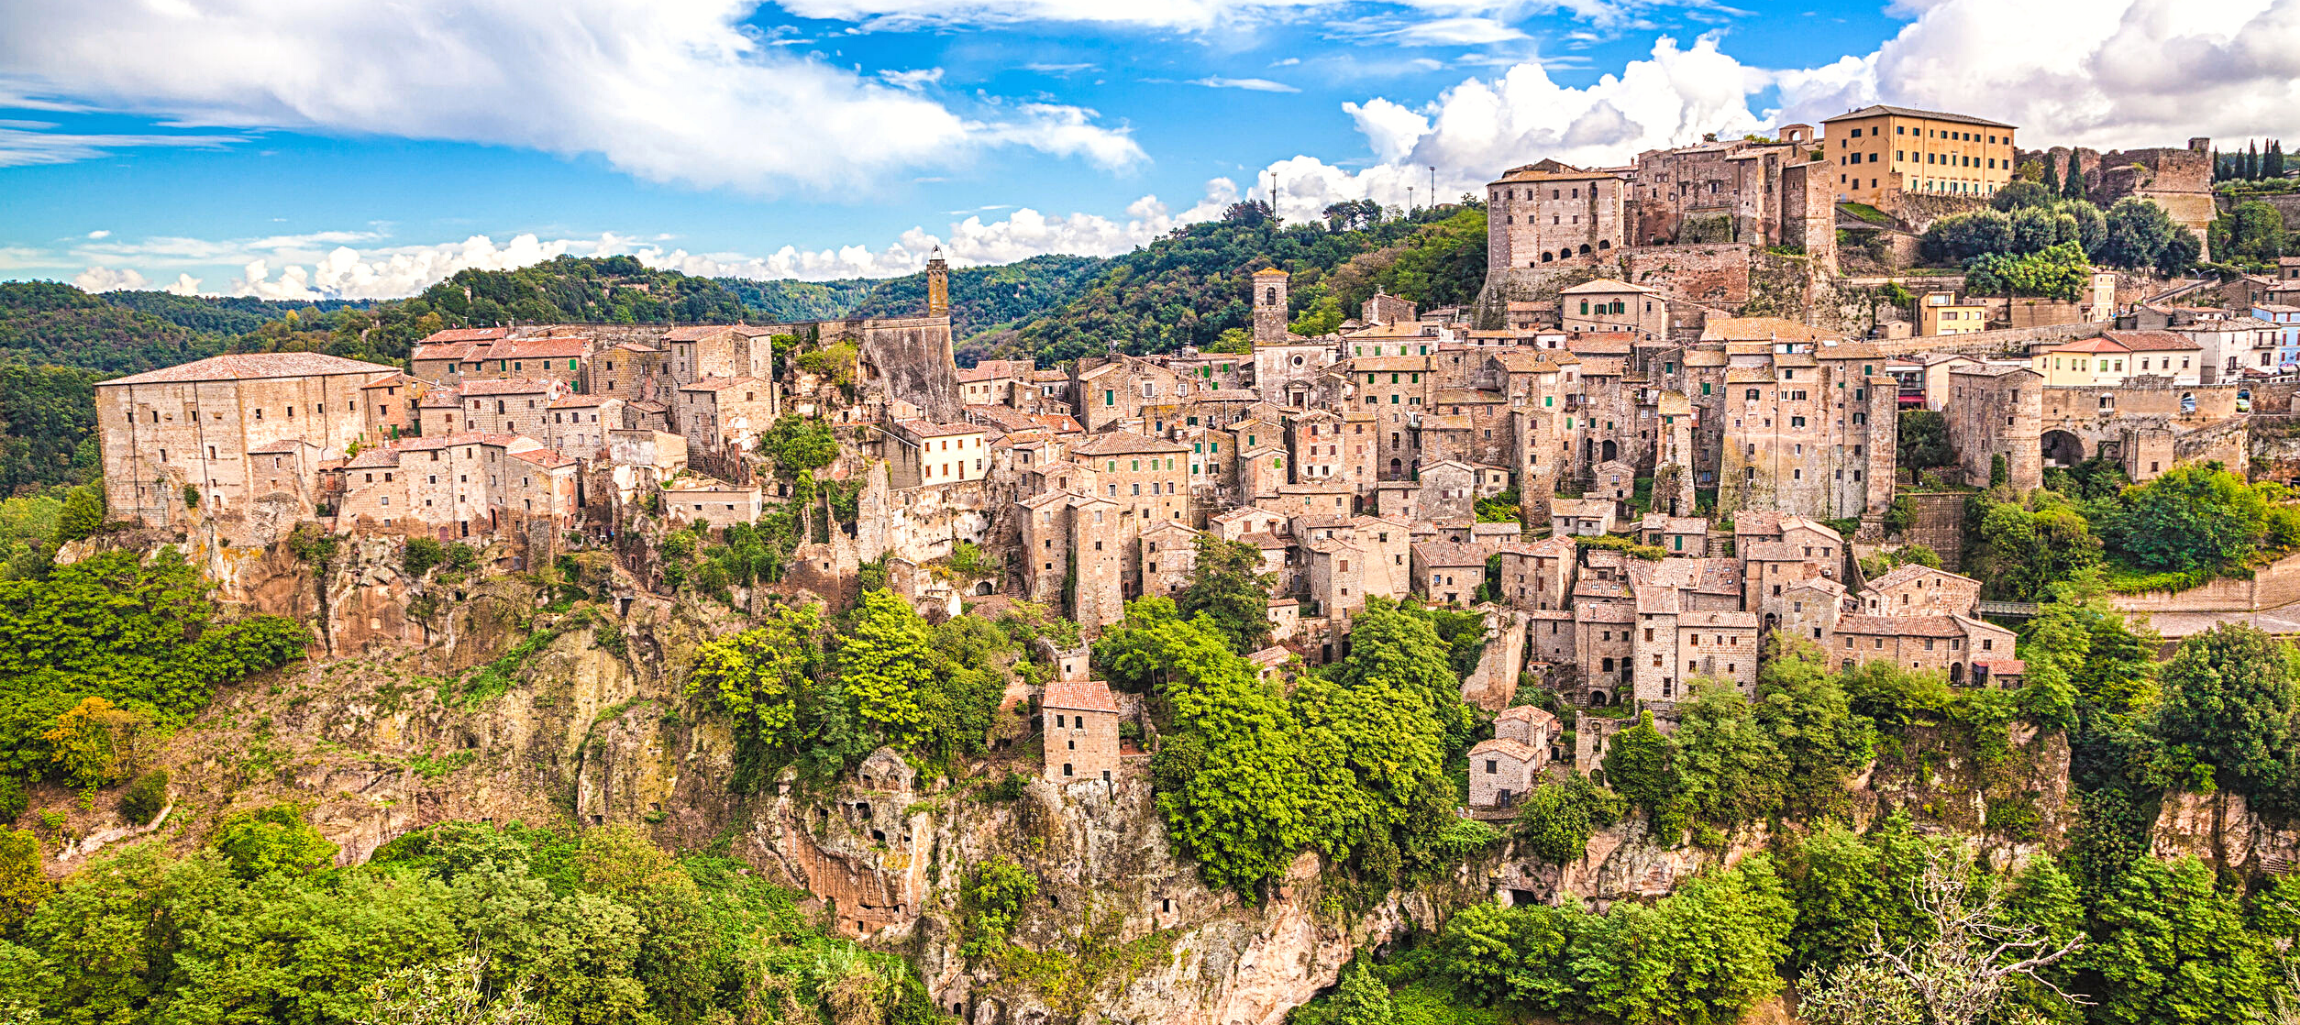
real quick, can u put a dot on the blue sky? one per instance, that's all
(300, 149)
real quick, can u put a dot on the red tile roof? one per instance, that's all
(1090, 695)
(255, 366)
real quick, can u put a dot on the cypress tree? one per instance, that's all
(2051, 173)
(2272, 166)
(2251, 161)
(2072, 186)
(2219, 166)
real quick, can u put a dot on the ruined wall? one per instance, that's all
(1715, 274)
(906, 358)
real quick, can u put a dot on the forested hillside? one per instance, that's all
(785, 300)
(988, 298)
(1190, 287)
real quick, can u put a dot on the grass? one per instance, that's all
(1865, 212)
(493, 680)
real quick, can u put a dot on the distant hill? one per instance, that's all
(785, 300)
(46, 322)
(228, 315)
(1190, 287)
(570, 289)
(989, 298)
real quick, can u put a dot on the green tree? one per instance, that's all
(1228, 587)
(1801, 704)
(2228, 699)
(2019, 194)
(1402, 647)
(1556, 821)
(799, 445)
(1706, 953)
(1729, 768)
(764, 681)
(1361, 999)
(886, 668)
(2139, 231)
(1637, 766)
(22, 885)
(2193, 515)
(2060, 271)
(1924, 440)
(2171, 949)
(272, 839)
(83, 514)
(1893, 697)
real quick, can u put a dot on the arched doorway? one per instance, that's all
(1956, 672)
(984, 589)
(2062, 449)
(1397, 468)
(1596, 699)
(1609, 452)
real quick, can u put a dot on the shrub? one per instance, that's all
(145, 797)
(420, 555)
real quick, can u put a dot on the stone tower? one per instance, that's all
(937, 285)
(1270, 306)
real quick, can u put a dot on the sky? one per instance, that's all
(306, 149)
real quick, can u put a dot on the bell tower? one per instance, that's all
(937, 285)
(1270, 306)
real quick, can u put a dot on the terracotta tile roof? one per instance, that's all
(1900, 626)
(1506, 748)
(1771, 329)
(281, 447)
(1529, 713)
(374, 459)
(1451, 553)
(2150, 341)
(254, 366)
(1882, 110)
(1606, 285)
(540, 348)
(1111, 443)
(465, 334)
(1088, 695)
(543, 457)
(394, 380)
(426, 444)
(581, 401)
(1601, 343)
(507, 386)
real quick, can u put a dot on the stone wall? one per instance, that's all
(2272, 586)
(1940, 525)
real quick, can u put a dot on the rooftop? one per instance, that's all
(1882, 110)
(254, 366)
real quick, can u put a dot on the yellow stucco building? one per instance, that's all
(1879, 150)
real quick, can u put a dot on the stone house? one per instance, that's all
(1447, 572)
(392, 405)
(1169, 560)
(1532, 726)
(693, 497)
(631, 372)
(726, 412)
(1582, 517)
(1539, 575)
(578, 424)
(1946, 644)
(1609, 305)
(1914, 590)
(508, 405)
(444, 357)
(1081, 724)
(1502, 772)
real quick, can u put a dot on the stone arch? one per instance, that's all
(1546, 257)
(1270, 296)
(985, 589)
(1585, 249)
(1596, 699)
(2062, 448)
(1956, 672)
(1609, 452)
(1397, 466)
(1604, 244)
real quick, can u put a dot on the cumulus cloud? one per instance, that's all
(674, 92)
(106, 279)
(2092, 72)
(1188, 15)
(912, 80)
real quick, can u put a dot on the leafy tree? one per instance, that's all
(2228, 699)
(2139, 232)
(1377, 776)
(764, 681)
(2171, 949)
(2072, 184)
(1401, 646)
(799, 445)
(1637, 766)
(2018, 549)
(1324, 316)
(1556, 821)
(1960, 237)
(886, 666)
(92, 744)
(1228, 587)
(1361, 999)
(1807, 713)
(22, 885)
(990, 901)
(145, 797)
(1893, 697)
(2194, 515)
(420, 555)
(1729, 769)
(2021, 193)
(1706, 953)
(2253, 232)
(2060, 271)
(1924, 440)
(272, 839)
(83, 514)
(1850, 889)
(452, 992)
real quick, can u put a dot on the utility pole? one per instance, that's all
(1433, 184)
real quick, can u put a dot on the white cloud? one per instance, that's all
(99, 233)
(105, 279)
(27, 146)
(2109, 73)
(1259, 85)
(1186, 15)
(184, 284)
(674, 91)
(912, 80)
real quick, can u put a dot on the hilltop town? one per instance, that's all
(1617, 457)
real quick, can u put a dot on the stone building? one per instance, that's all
(196, 430)
(578, 425)
(1946, 644)
(1606, 305)
(726, 412)
(1548, 212)
(923, 453)
(692, 497)
(507, 405)
(1081, 724)
(1725, 191)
